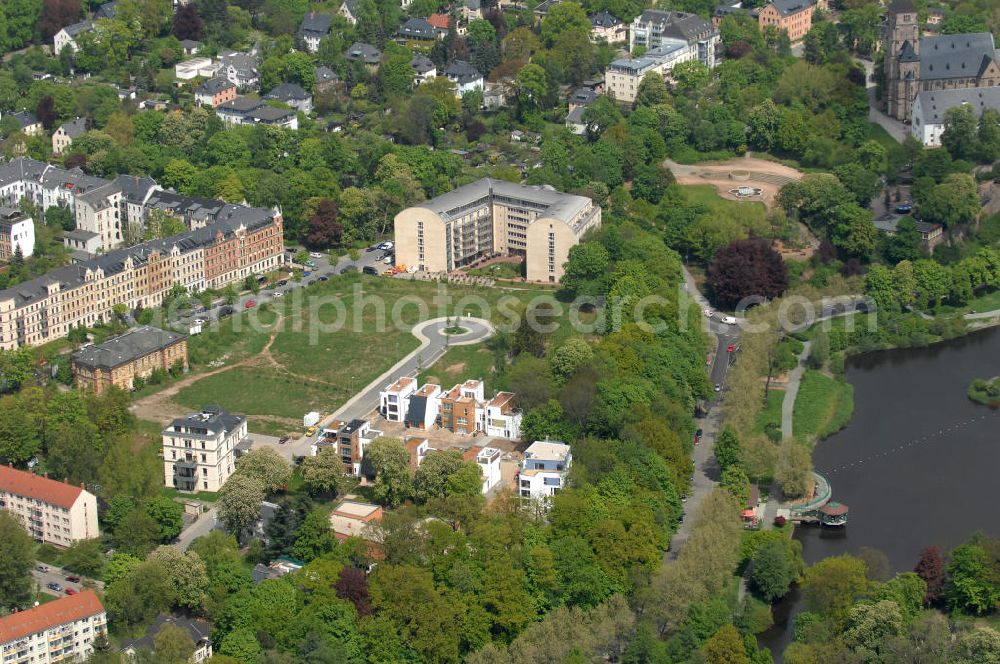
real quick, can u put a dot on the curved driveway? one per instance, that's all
(433, 344)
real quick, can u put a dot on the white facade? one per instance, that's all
(200, 451)
(501, 417)
(544, 469)
(624, 75)
(930, 106)
(52, 512)
(394, 400)
(100, 211)
(488, 459)
(59, 631)
(17, 232)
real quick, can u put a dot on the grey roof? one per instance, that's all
(269, 114)
(422, 64)
(925, 226)
(474, 5)
(245, 64)
(288, 92)
(129, 347)
(214, 86)
(650, 58)
(907, 53)
(227, 219)
(315, 25)
(682, 25)
(366, 53)
(545, 199)
(107, 10)
(462, 72)
(934, 103)
(98, 195)
(78, 28)
(789, 7)
(887, 224)
(325, 75)
(603, 19)
(576, 115)
(9, 217)
(955, 56)
(211, 417)
(74, 128)
(241, 105)
(352, 6)
(25, 118)
(198, 630)
(583, 96)
(134, 188)
(902, 6)
(418, 28)
(81, 235)
(190, 43)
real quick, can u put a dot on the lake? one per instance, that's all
(918, 463)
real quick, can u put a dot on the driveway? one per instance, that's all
(55, 574)
(895, 128)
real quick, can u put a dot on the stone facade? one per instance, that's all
(136, 354)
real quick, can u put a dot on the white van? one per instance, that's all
(728, 320)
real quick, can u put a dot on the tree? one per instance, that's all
(793, 470)
(690, 76)
(532, 85)
(137, 533)
(725, 647)
(860, 181)
(746, 268)
(567, 358)
(313, 538)
(266, 466)
(84, 557)
(546, 422)
(652, 90)
(431, 477)
(187, 573)
(168, 514)
(773, 570)
(17, 550)
(954, 201)
(352, 585)
(57, 14)
(971, 585)
(325, 229)
(871, 626)
(119, 567)
(960, 137)
(239, 502)
(322, 474)
(562, 18)
(727, 449)
(930, 568)
(46, 112)
(172, 644)
(390, 463)
(187, 24)
(833, 584)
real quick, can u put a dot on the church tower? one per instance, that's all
(901, 46)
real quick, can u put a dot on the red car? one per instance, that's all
(250, 304)
(731, 348)
(73, 579)
(697, 436)
(70, 591)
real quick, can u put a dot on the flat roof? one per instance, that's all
(547, 200)
(547, 449)
(350, 508)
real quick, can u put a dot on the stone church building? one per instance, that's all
(946, 62)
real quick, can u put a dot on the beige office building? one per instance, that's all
(52, 512)
(495, 218)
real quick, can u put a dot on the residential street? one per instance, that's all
(56, 575)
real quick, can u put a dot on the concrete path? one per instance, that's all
(205, 524)
(792, 390)
(894, 127)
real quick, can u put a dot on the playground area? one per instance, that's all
(739, 179)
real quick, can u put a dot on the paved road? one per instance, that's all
(204, 525)
(792, 390)
(895, 128)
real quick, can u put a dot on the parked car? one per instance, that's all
(277, 293)
(283, 282)
(315, 254)
(708, 313)
(73, 579)
(718, 387)
(325, 278)
(370, 269)
(226, 311)
(250, 304)
(52, 585)
(904, 208)
(310, 263)
(70, 591)
(387, 245)
(283, 440)
(374, 247)
(728, 320)
(387, 260)
(42, 568)
(311, 431)
(306, 273)
(731, 348)
(199, 321)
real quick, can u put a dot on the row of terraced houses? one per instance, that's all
(225, 243)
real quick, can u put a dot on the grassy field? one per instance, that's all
(771, 413)
(823, 406)
(985, 302)
(706, 194)
(312, 366)
(499, 271)
(458, 365)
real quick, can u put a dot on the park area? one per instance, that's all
(281, 368)
(824, 405)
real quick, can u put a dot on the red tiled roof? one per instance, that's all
(471, 453)
(30, 485)
(438, 21)
(45, 616)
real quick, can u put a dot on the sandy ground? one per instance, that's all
(768, 176)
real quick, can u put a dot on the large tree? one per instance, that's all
(187, 24)
(930, 568)
(746, 268)
(390, 463)
(239, 502)
(266, 466)
(325, 228)
(17, 550)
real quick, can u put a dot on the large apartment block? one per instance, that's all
(52, 512)
(493, 218)
(200, 450)
(63, 630)
(655, 27)
(242, 241)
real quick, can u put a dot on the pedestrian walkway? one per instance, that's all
(791, 391)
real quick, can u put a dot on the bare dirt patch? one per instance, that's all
(768, 176)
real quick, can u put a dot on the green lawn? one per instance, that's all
(877, 133)
(985, 302)
(823, 406)
(459, 364)
(771, 413)
(499, 271)
(319, 367)
(706, 194)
